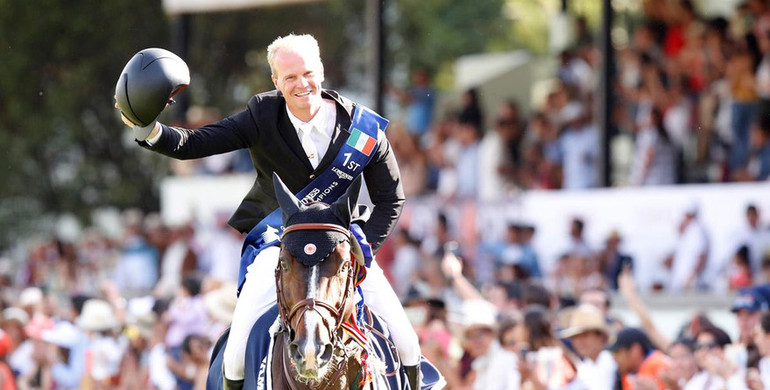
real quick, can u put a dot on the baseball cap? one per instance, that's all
(748, 299)
(628, 337)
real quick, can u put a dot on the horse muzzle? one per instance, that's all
(311, 349)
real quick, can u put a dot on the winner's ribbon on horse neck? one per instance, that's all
(366, 129)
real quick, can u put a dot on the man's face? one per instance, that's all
(683, 361)
(747, 321)
(478, 340)
(705, 346)
(752, 217)
(627, 360)
(299, 77)
(589, 344)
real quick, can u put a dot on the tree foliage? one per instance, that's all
(62, 143)
(431, 33)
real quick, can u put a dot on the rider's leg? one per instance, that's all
(379, 295)
(257, 297)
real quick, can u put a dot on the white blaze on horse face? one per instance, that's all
(312, 323)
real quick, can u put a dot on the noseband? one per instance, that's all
(299, 308)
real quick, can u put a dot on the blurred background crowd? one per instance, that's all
(141, 305)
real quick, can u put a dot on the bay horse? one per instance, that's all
(316, 276)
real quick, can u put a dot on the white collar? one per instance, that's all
(318, 121)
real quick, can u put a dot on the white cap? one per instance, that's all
(15, 313)
(97, 315)
(30, 296)
(63, 334)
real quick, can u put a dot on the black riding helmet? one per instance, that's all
(148, 82)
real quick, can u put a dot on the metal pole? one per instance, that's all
(606, 127)
(377, 58)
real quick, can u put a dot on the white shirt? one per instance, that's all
(764, 371)
(692, 243)
(497, 370)
(662, 169)
(758, 241)
(579, 149)
(160, 376)
(21, 358)
(106, 356)
(321, 126)
(705, 381)
(492, 185)
(599, 374)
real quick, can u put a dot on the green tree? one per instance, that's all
(60, 136)
(430, 34)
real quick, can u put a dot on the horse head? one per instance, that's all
(315, 277)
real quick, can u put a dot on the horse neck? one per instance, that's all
(349, 380)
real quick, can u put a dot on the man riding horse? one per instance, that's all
(318, 142)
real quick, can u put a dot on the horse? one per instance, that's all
(319, 337)
(315, 281)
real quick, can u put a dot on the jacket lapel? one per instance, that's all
(289, 135)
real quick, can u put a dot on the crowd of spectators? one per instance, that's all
(144, 309)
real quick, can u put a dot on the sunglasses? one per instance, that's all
(706, 345)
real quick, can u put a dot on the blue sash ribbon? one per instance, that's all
(328, 186)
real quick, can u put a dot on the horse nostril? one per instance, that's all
(295, 352)
(326, 354)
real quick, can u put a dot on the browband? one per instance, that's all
(315, 226)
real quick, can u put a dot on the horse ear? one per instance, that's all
(286, 200)
(344, 206)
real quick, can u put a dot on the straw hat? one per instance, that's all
(97, 316)
(585, 318)
(220, 303)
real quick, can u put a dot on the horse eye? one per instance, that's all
(283, 264)
(345, 266)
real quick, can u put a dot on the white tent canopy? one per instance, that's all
(498, 77)
(176, 7)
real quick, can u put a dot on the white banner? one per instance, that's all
(646, 218)
(176, 7)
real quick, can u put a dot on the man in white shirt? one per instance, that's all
(588, 332)
(691, 253)
(494, 368)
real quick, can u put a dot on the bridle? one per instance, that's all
(337, 312)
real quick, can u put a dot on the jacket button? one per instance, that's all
(312, 176)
